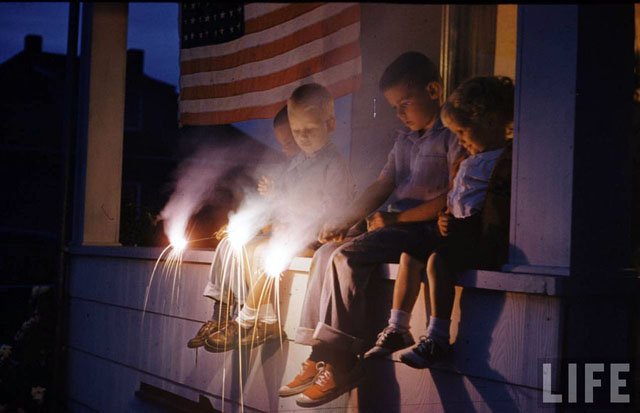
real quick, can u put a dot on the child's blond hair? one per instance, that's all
(312, 97)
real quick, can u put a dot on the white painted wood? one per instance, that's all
(387, 387)
(104, 45)
(106, 319)
(544, 133)
(373, 122)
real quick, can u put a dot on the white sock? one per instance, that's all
(247, 316)
(267, 314)
(438, 330)
(400, 320)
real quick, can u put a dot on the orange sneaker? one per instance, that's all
(303, 380)
(328, 385)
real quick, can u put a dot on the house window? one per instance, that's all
(477, 41)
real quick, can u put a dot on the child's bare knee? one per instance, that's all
(433, 262)
(411, 263)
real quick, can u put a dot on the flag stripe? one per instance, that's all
(310, 53)
(253, 10)
(278, 17)
(339, 88)
(326, 77)
(258, 39)
(281, 46)
(307, 51)
(266, 51)
(273, 80)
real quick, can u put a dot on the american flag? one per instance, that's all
(242, 61)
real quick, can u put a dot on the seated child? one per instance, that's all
(282, 131)
(214, 289)
(474, 227)
(316, 184)
(288, 147)
(403, 202)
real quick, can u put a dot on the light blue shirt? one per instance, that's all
(318, 184)
(470, 184)
(421, 165)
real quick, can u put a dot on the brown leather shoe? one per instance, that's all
(233, 336)
(224, 339)
(205, 330)
(260, 334)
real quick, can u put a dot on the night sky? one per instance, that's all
(152, 27)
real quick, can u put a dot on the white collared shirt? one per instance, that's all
(470, 184)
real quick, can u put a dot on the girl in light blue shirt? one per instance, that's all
(479, 112)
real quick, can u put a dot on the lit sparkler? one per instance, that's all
(232, 261)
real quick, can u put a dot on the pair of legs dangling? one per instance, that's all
(237, 283)
(333, 319)
(435, 346)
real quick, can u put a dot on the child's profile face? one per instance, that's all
(414, 106)
(310, 130)
(469, 139)
(285, 138)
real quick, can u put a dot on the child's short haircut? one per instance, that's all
(312, 97)
(411, 69)
(281, 118)
(480, 102)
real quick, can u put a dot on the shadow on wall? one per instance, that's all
(381, 391)
(450, 385)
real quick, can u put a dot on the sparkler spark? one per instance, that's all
(277, 260)
(179, 243)
(239, 234)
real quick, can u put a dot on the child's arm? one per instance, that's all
(371, 198)
(445, 221)
(448, 225)
(423, 212)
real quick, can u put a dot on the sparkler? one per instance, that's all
(233, 260)
(171, 258)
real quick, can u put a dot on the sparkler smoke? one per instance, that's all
(295, 224)
(217, 173)
(195, 178)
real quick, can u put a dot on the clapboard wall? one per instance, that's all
(114, 345)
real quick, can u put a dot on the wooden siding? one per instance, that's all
(113, 346)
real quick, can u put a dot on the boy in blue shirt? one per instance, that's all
(414, 182)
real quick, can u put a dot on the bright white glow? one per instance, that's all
(178, 242)
(239, 234)
(276, 261)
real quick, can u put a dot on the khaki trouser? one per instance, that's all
(334, 307)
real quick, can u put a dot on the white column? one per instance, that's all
(101, 119)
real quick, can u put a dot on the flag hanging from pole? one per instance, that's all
(242, 61)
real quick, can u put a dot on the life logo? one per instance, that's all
(587, 383)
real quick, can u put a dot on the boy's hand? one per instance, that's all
(445, 223)
(265, 185)
(381, 219)
(333, 231)
(221, 233)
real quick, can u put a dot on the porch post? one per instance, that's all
(101, 118)
(574, 88)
